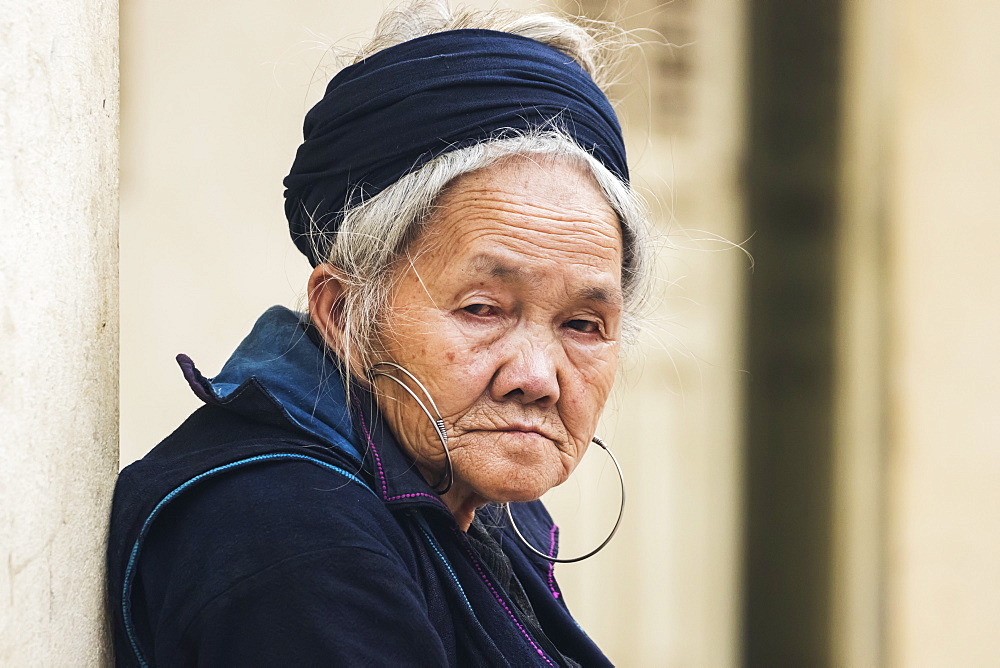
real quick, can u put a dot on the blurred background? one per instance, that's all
(811, 439)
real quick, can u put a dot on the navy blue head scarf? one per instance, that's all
(389, 114)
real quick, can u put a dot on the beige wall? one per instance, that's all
(58, 326)
(919, 451)
(214, 96)
(944, 235)
(213, 100)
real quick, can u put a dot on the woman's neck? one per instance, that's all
(461, 499)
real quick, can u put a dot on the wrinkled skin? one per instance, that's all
(508, 309)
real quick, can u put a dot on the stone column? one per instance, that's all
(58, 325)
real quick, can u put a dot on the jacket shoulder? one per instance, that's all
(225, 497)
(281, 523)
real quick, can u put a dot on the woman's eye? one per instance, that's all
(584, 326)
(478, 309)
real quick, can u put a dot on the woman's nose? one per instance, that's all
(528, 372)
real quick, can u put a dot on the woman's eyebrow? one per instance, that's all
(495, 267)
(498, 268)
(601, 295)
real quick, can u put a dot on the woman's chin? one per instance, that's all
(520, 495)
(513, 483)
(509, 469)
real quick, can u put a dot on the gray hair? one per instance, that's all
(375, 234)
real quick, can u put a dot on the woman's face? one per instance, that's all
(508, 309)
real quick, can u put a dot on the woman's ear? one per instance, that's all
(326, 305)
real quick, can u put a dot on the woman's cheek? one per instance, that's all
(457, 371)
(591, 386)
(596, 368)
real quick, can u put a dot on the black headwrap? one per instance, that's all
(387, 115)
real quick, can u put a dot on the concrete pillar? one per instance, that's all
(58, 325)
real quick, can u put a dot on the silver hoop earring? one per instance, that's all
(444, 482)
(621, 512)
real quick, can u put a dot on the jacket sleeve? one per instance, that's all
(333, 607)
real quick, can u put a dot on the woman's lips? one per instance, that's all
(525, 434)
(530, 430)
(537, 431)
(522, 430)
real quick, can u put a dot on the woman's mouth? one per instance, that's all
(525, 431)
(515, 429)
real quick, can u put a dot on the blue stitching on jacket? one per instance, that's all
(433, 544)
(127, 583)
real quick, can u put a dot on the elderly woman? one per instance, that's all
(361, 485)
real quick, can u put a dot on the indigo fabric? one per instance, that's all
(252, 536)
(387, 115)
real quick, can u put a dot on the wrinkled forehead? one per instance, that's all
(523, 223)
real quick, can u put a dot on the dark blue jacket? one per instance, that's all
(276, 527)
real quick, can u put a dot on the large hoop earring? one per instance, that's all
(444, 482)
(621, 512)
